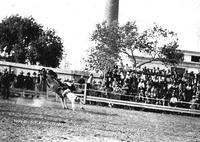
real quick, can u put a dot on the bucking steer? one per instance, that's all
(64, 90)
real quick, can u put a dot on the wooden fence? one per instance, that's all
(87, 97)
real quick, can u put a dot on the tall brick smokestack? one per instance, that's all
(112, 11)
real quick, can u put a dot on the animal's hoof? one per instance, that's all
(65, 108)
(110, 105)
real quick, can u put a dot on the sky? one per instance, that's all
(75, 20)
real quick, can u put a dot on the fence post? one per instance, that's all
(23, 92)
(47, 94)
(85, 94)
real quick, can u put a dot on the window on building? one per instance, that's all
(195, 58)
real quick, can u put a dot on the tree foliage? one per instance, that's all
(99, 61)
(47, 49)
(113, 41)
(28, 42)
(160, 45)
(104, 54)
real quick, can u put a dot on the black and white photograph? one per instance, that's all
(99, 71)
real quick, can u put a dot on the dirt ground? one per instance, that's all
(41, 120)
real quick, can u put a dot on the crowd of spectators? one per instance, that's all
(34, 81)
(154, 86)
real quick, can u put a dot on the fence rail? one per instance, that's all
(143, 105)
(28, 92)
(87, 97)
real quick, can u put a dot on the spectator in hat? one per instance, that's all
(6, 82)
(89, 81)
(20, 80)
(12, 79)
(43, 79)
(28, 81)
(34, 77)
(81, 80)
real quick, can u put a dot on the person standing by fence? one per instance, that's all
(42, 76)
(6, 82)
(43, 80)
(28, 81)
(20, 80)
(81, 82)
(89, 81)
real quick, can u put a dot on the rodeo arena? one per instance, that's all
(171, 90)
(153, 103)
(161, 91)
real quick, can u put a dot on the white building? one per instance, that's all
(191, 62)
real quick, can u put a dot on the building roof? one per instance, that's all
(191, 52)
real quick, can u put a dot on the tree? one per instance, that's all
(114, 41)
(104, 54)
(99, 61)
(160, 45)
(47, 49)
(20, 36)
